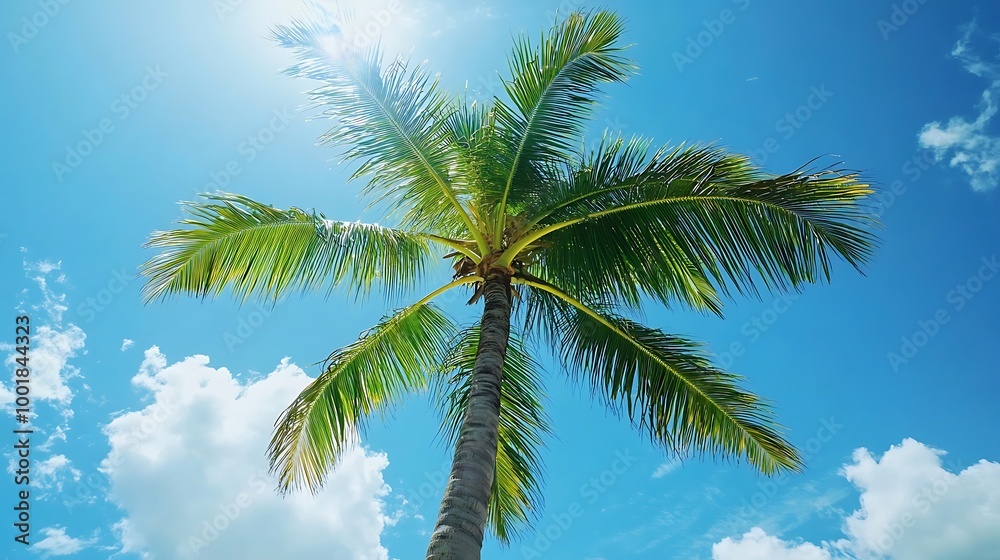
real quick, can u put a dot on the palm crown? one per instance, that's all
(571, 241)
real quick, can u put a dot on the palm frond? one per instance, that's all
(620, 169)
(516, 495)
(554, 90)
(722, 215)
(478, 162)
(389, 119)
(258, 250)
(385, 364)
(620, 260)
(667, 386)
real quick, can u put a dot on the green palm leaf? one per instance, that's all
(625, 259)
(390, 119)
(666, 386)
(479, 162)
(553, 89)
(724, 217)
(618, 169)
(516, 495)
(259, 250)
(387, 363)
(781, 229)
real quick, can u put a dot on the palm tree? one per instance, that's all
(563, 245)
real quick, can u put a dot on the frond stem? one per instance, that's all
(454, 284)
(601, 319)
(473, 230)
(508, 256)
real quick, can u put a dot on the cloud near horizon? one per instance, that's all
(190, 472)
(53, 345)
(910, 507)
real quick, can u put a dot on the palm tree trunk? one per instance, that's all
(461, 522)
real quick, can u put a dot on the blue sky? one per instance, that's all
(152, 420)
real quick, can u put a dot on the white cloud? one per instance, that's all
(51, 349)
(758, 545)
(130, 540)
(911, 506)
(58, 543)
(58, 433)
(190, 471)
(46, 267)
(666, 468)
(127, 343)
(53, 472)
(152, 363)
(52, 346)
(970, 145)
(53, 304)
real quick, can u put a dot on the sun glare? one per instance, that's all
(393, 25)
